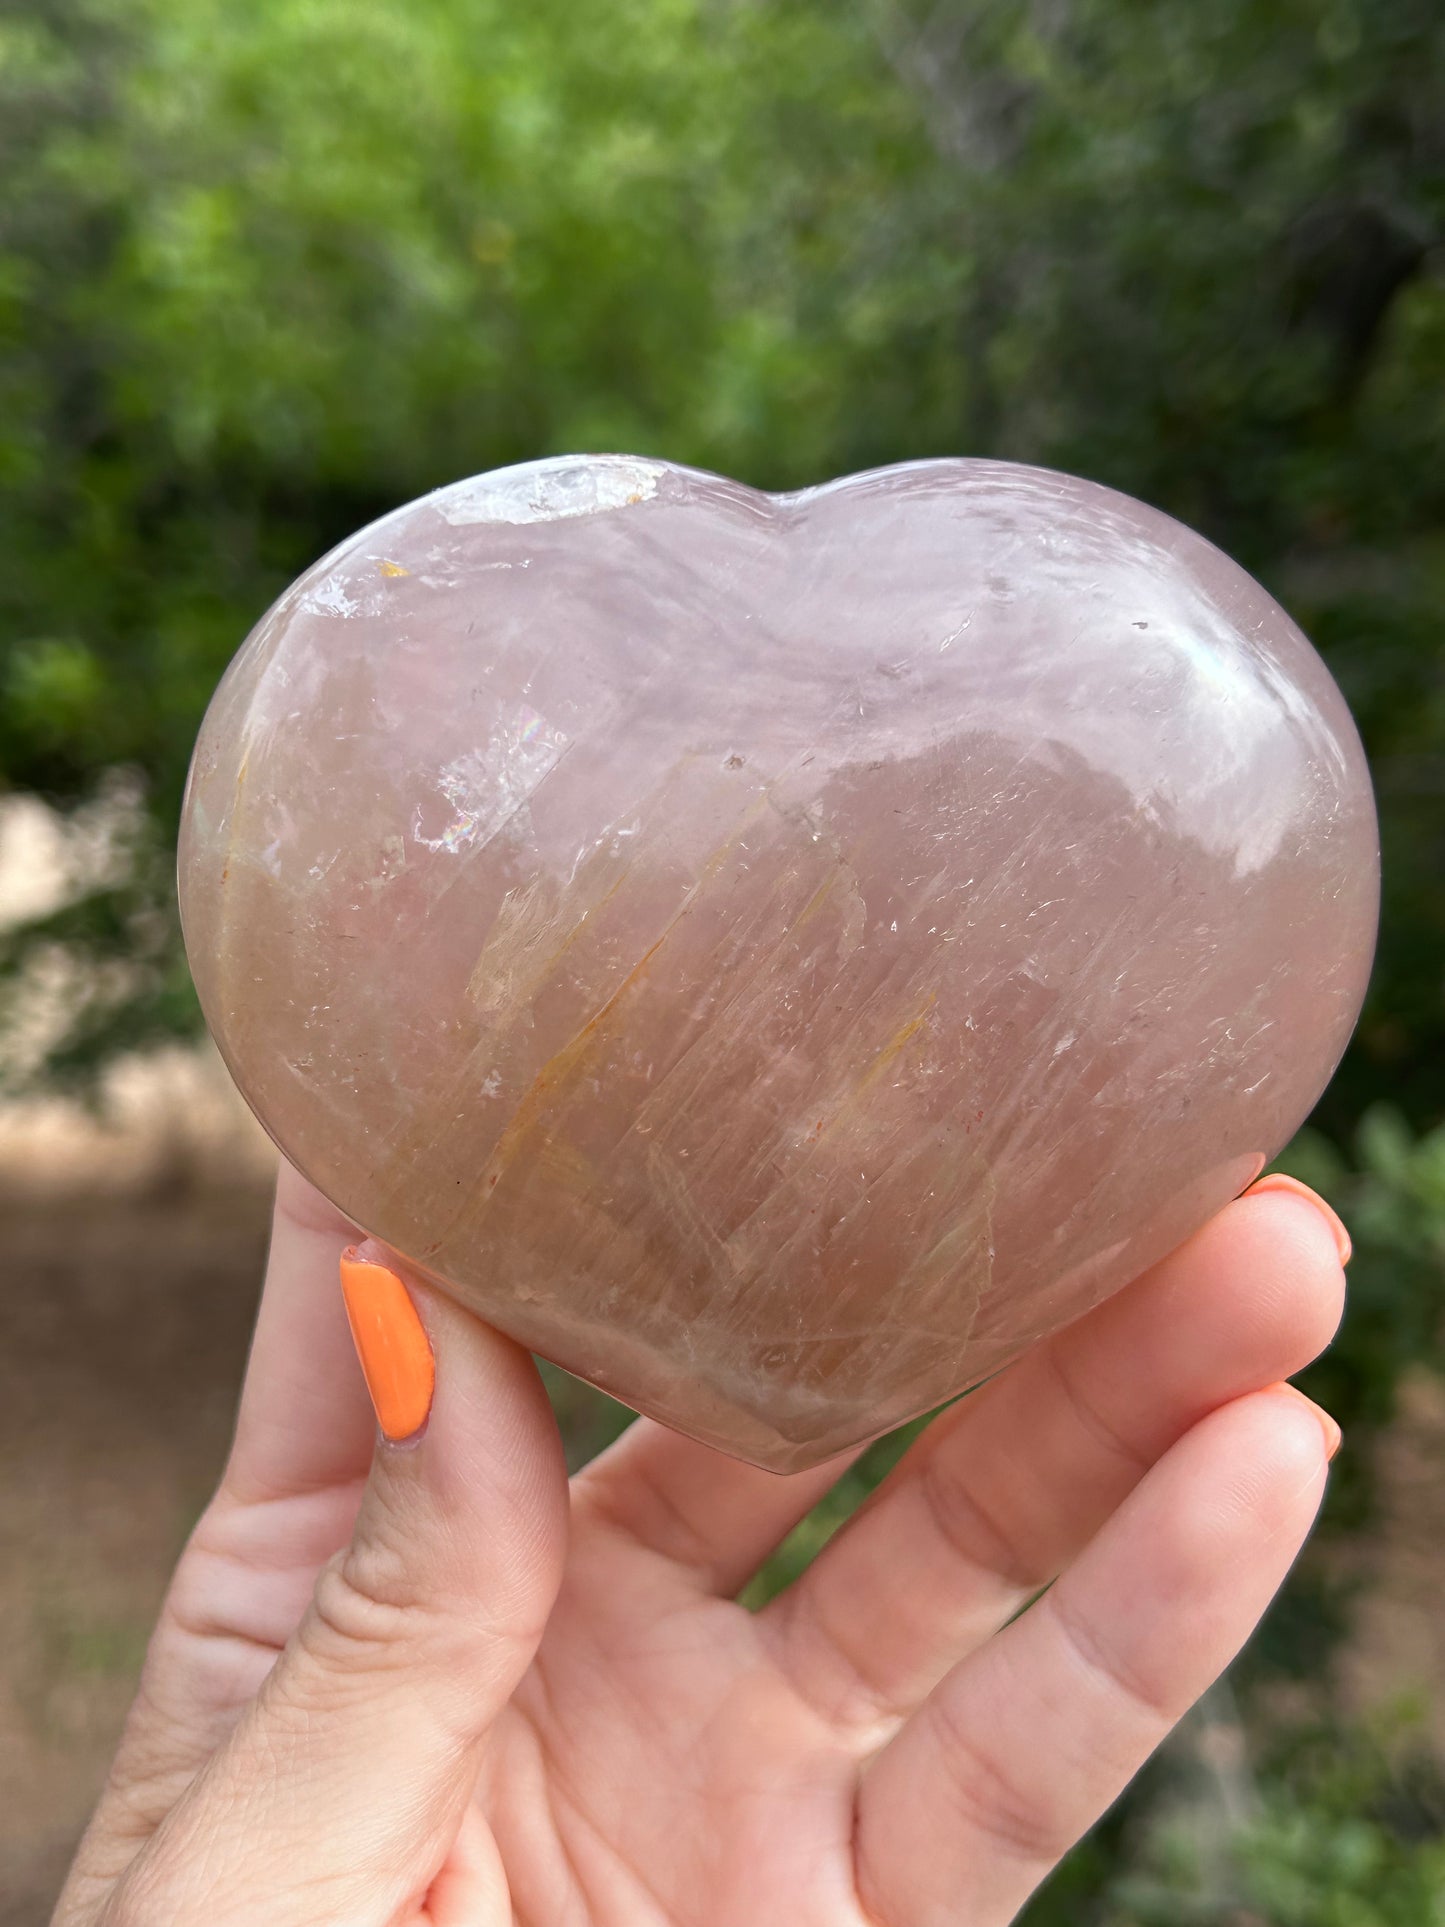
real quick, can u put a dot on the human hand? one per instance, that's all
(422, 1684)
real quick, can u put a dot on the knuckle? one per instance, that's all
(363, 1609)
(422, 1601)
(1118, 1680)
(371, 1631)
(1015, 1818)
(966, 1525)
(1100, 1431)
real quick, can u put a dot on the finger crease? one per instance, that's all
(203, 1628)
(1091, 1419)
(992, 1801)
(1086, 1647)
(969, 1529)
(868, 1913)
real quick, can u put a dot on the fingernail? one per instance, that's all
(391, 1342)
(1279, 1181)
(1332, 1432)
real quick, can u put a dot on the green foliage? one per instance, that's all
(266, 271)
(1392, 1194)
(1347, 1829)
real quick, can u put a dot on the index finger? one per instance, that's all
(305, 1421)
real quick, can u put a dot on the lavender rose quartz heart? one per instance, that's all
(777, 956)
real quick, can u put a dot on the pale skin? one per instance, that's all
(429, 1683)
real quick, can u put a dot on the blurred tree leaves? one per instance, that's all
(265, 272)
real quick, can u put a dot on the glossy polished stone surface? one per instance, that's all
(778, 956)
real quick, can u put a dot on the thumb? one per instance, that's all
(340, 1792)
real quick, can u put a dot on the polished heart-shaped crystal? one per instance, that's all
(777, 956)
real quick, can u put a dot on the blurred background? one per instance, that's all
(267, 271)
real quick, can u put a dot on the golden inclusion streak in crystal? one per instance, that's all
(890, 1051)
(564, 1064)
(541, 1094)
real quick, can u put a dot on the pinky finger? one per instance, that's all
(1026, 1743)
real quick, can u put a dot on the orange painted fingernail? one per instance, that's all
(1333, 1435)
(391, 1342)
(1280, 1181)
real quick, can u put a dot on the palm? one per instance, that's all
(635, 1749)
(671, 1770)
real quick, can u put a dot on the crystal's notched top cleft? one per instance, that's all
(777, 956)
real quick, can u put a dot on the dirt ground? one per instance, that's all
(131, 1260)
(123, 1331)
